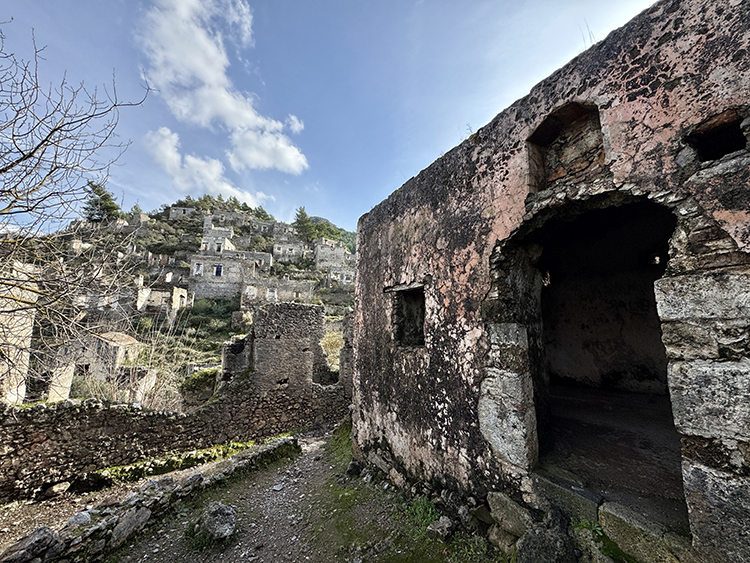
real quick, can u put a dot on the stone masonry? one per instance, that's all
(591, 242)
(268, 386)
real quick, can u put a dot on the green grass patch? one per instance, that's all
(421, 512)
(339, 447)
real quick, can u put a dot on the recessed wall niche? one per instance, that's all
(566, 148)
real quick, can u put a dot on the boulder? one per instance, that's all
(217, 521)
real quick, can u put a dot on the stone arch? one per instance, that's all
(522, 411)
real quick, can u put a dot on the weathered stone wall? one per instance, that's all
(267, 389)
(178, 212)
(256, 291)
(17, 312)
(91, 535)
(450, 354)
(331, 254)
(204, 282)
(291, 250)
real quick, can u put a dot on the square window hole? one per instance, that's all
(408, 317)
(719, 136)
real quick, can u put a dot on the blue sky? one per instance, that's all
(331, 105)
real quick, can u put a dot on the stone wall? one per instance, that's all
(18, 294)
(469, 302)
(272, 290)
(291, 250)
(218, 276)
(91, 535)
(267, 389)
(178, 212)
(331, 254)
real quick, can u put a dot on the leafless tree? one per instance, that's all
(51, 142)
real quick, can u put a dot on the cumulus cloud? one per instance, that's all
(184, 42)
(192, 174)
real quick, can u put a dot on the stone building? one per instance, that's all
(275, 290)
(291, 250)
(110, 358)
(556, 312)
(341, 275)
(18, 296)
(331, 254)
(179, 212)
(224, 275)
(215, 240)
(162, 300)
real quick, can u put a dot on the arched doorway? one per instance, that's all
(606, 420)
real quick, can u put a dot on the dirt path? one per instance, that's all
(305, 510)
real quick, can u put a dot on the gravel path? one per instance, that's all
(305, 510)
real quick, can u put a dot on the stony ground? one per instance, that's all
(301, 510)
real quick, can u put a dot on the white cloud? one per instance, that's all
(295, 124)
(192, 174)
(184, 41)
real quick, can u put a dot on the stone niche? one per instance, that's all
(556, 311)
(566, 147)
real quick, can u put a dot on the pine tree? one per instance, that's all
(304, 225)
(100, 206)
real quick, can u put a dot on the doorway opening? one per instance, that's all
(606, 420)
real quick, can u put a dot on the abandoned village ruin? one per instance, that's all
(555, 313)
(222, 266)
(552, 321)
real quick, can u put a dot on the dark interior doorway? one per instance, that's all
(609, 424)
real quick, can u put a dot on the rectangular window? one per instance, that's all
(271, 294)
(218, 270)
(218, 248)
(198, 270)
(408, 317)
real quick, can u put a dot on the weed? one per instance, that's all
(422, 513)
(197, 540)
(584, 524)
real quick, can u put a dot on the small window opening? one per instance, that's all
(717, 137)
(218, 270)
(198, 270)
(408, 317)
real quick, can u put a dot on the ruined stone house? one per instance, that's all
(340, 275)
(556, 313)
(331, 254)
(291, 250)
(220, 270)
(18, 297)
(179, 212)
(275, 290)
